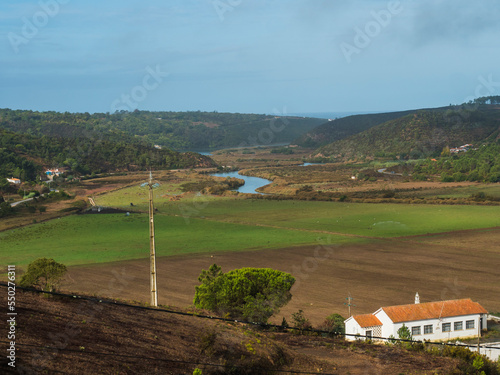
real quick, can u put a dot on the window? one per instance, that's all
(415, 331)
(469, 324)
(458, 326)
(428, 329)
(446, 327)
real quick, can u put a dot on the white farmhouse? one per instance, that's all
(443, 320)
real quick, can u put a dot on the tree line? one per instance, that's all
(175, 130)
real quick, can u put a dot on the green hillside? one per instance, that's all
(345, 127)
(481, 164)
(175, 130)
(23, 156)
(421, 134)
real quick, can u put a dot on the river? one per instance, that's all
(251, 183)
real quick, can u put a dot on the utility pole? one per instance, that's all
(152, 255)
(349, 304)
(479, 335)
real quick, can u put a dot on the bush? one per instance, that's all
(300, 321)
(479, 196)
(334, 324)
(388, 193)
(446, 178)
(5, 209)
(419, 177)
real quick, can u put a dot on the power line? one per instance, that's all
(264, 325)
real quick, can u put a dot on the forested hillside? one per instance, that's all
(175, 130)
(23, 156)
(482, 164)
(345, 127)
(421, 134)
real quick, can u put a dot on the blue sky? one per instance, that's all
(249, 56)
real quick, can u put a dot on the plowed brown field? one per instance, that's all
(381, 273)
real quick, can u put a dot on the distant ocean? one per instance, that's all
(327, 115)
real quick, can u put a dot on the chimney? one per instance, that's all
(417, 299)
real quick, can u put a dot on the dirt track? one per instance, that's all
(381, 273)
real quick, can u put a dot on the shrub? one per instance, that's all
(388, 193)
(300, 321)
(334, 324)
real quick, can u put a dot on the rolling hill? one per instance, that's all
(174, 130)
(420, 134)
(344, 127)
(24, 156)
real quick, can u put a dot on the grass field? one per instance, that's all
(190, 226)
(364, 219)
(84, 239)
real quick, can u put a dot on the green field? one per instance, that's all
(198, 226)
(84, 239)
(364, 219)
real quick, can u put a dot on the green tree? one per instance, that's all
(405, 334)
(4, 184)
(300, 321)
(5, 209)
(446, 152)
(334, 323)
(251, 294)
(43, 273)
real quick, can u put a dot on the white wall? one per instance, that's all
(353, 328)
(437, 328)
(389, 328)
(387, 324)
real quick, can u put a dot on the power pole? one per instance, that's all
(349, 304)
(152, 255)
(479, 335)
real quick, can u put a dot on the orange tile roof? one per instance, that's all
(433, 310)
(367, 320)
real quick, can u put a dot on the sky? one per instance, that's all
(247, 56)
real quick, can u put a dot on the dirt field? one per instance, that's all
(381, 273)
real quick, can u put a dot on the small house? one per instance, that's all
(51, 173)
(434, 321)
(15, 181)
